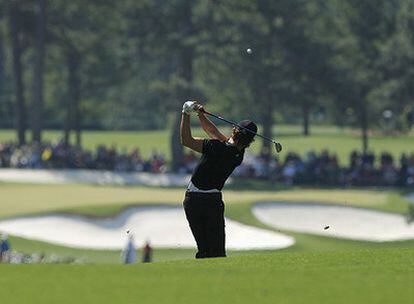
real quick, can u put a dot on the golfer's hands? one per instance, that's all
(188, 107)
(199, 108)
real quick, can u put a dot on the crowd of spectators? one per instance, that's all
(9, 256)
(314, 168)
(61, 156)
(16, 257)
(324, 169)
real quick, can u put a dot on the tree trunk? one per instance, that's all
(15, 20)
(267, 121)
(262, 86)
(176, 147)
(2, 66)
(68, 119)
(37, 103)
(73, 115)
(306, 112)
(185, 71)
(364, 127)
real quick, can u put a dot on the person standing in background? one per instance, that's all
(4, 249)
(147, 253)
(129, 255)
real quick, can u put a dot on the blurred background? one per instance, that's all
(98, 85)
(314, 68)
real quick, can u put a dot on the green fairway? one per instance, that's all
(363, 276)
(101, 201)
(336, 140)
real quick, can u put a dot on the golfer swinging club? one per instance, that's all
(203, 204)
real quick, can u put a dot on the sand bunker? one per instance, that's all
(344, 222)
(164, 226)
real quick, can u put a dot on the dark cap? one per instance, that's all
(248, 124)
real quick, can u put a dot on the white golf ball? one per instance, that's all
(249, 51)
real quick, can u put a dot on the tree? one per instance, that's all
(396, 90)
(37, 102)
(185, 53)
(306, 54)
(175, 38)
(2, 67)
(15, 26)
(81, 31)
(280, 70)
(244, 24)
(357, 32)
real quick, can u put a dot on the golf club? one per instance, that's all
(278, 146)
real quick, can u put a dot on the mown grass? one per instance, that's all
(359, 276)
(337, 140)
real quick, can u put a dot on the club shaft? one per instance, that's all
(235, 124)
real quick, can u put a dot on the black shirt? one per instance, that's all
(217, 162)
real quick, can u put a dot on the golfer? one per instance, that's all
(203, 204)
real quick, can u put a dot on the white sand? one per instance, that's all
(92, 177)
(344, 222)
(163, 226)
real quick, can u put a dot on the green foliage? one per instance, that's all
(311, 61)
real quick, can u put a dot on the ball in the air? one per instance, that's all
(249, 51)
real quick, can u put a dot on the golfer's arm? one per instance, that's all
(210, 128)
(186, 138)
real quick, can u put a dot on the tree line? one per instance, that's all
(129, 64)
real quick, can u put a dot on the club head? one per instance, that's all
(278, 147)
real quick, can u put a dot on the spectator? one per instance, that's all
(147, 253)
(129, 254)
(289, 173)
(4, 249)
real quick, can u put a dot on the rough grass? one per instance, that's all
(336, 140)
(362, 276)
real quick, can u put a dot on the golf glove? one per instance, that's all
(188, 107)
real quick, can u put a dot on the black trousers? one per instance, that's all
(205, 214)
